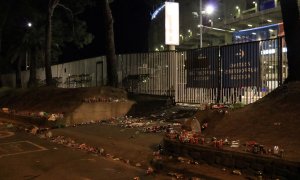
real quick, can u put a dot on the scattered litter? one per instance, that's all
(102, 99)
(236, 172)
(176, 175)
(5, 110)
(276, 150)
(49, 134)
(34, 130)
(235, 144)
(277, 123)
(10, 126)
(149, 170)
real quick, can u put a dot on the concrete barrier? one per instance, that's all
(246, 162)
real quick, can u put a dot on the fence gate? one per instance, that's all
(238, 73)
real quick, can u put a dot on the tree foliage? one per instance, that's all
(20, 41)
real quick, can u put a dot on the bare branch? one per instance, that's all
(71, 12)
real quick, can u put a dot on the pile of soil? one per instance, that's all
(272, 120)
(54, 100)
(66, 100)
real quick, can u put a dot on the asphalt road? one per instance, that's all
(25, 156)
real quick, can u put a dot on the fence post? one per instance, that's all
(219, 76)
(279, 42)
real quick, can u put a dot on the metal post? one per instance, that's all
(200, 21)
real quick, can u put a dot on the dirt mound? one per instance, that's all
(273, 120)
(54, 99)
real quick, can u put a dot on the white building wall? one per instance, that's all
(85, 66)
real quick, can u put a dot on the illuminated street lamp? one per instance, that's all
(255, 6)
(208, 10)
(29, 25)
(238, 11)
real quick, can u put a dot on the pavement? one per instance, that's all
(91, 151)
(26, 156)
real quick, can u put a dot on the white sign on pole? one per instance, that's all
(171, 23)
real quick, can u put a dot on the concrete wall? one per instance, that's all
(98, 111)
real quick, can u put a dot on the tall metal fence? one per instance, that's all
(149, 73)
(227, 74)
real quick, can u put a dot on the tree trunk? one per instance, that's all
(291, 21)
(0, 41)
(51, 6)
(18, 74)
(48, 72)
(1, 52)
(110, 45)
(32, 77)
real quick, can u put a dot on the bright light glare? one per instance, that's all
(209, 9)
(29, 24)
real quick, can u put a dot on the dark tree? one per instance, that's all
(76, 35)
(291, 21)
(110, 44)
(51, 6)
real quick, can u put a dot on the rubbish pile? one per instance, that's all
(192, 137)
(103, 99)
(189, 137)
(41, 115)
(256, 148)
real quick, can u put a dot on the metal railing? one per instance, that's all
(235, 73)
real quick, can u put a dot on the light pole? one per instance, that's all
(208, 10)
(200, 21)
(29, 25)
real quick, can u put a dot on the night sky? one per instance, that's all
(131, 24)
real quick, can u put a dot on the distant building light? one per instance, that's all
(268, 51)
(156, 49)
(271, 51)
(198, 25)
(269, 20)
(237, 7)
(254, 2)
(189, 30)
(253, 33)
(249, 25)
(29, 24)
(219, 18)
(284, 49)
(232, 29)
(271, 30)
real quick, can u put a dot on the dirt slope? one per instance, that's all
(273, 120)
(54, 99)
